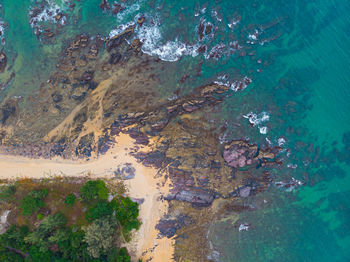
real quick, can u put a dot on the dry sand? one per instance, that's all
(145, 243)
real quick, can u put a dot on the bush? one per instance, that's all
(101, 209)
(127, 212)
(70, 200)
(40, 216)
(94, 189)
(7, 192)
(33, 201)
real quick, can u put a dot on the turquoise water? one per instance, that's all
(297, 55)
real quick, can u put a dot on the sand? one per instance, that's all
(145, 243)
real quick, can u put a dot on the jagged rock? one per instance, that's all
(87, 77)
(168, 227)
(115, 58)
(56, 97)
(140, 20)
(239, 153)
(125, 172)
(196, 196)
(115, 41)
(3, 62)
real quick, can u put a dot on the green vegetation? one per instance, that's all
(53, 225)
(94, 189)
(33, 201)
(70, 200)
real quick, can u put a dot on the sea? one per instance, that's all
(295, 53)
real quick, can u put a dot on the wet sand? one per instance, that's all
(145, 243)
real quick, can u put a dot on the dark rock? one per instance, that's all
(140, 20)
(196, 196)
(168, 227)
(117, 8)
(87, 77)
(104, 6)
(118, 39)
(3, 62)
(85, 146)
(125, 172)
(7, 110)
(56, 97)
(115, 58)
(239, 153)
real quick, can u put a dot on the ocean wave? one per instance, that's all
(258, 120)
(127, 12)
(152, 44)
(47, 11)
(2, 32)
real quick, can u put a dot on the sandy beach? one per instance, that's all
(145, 243)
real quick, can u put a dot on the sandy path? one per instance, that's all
(144, 185)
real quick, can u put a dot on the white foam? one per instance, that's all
(281, 141)
(243, 227)
(233, 23)
(47, 14)
(2, 32)
(120, 29)
(258, 120)
(171, 51)
(128, 11)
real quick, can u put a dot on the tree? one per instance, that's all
(94, 189)
(101, 209)
(47, 231)
(99, 236)
(70, 200)
(33, 201)
(126, 212)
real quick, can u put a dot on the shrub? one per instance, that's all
(101, 209)
(70, 200)
(33, 201)
(94, 189)
(127, 212)
(100, 237)
(40, 216)
(7, 192)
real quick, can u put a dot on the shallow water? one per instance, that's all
(297, 55)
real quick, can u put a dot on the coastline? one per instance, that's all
(145, 243)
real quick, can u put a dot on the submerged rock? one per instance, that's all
(3, 62)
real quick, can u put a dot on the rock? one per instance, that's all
(3, 221)
(7, 110)
(104, 6)
(196, 196)
(137, 200)
(168, 227)
(3, 62)
(117, 8)
(136, 44)
(87, 77)
(56, 97)
(239, 153)
(140, 20)
(115, 41)
(125, 172)
(115, 58)
(245, 191)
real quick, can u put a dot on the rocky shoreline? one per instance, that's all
(100, 90)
